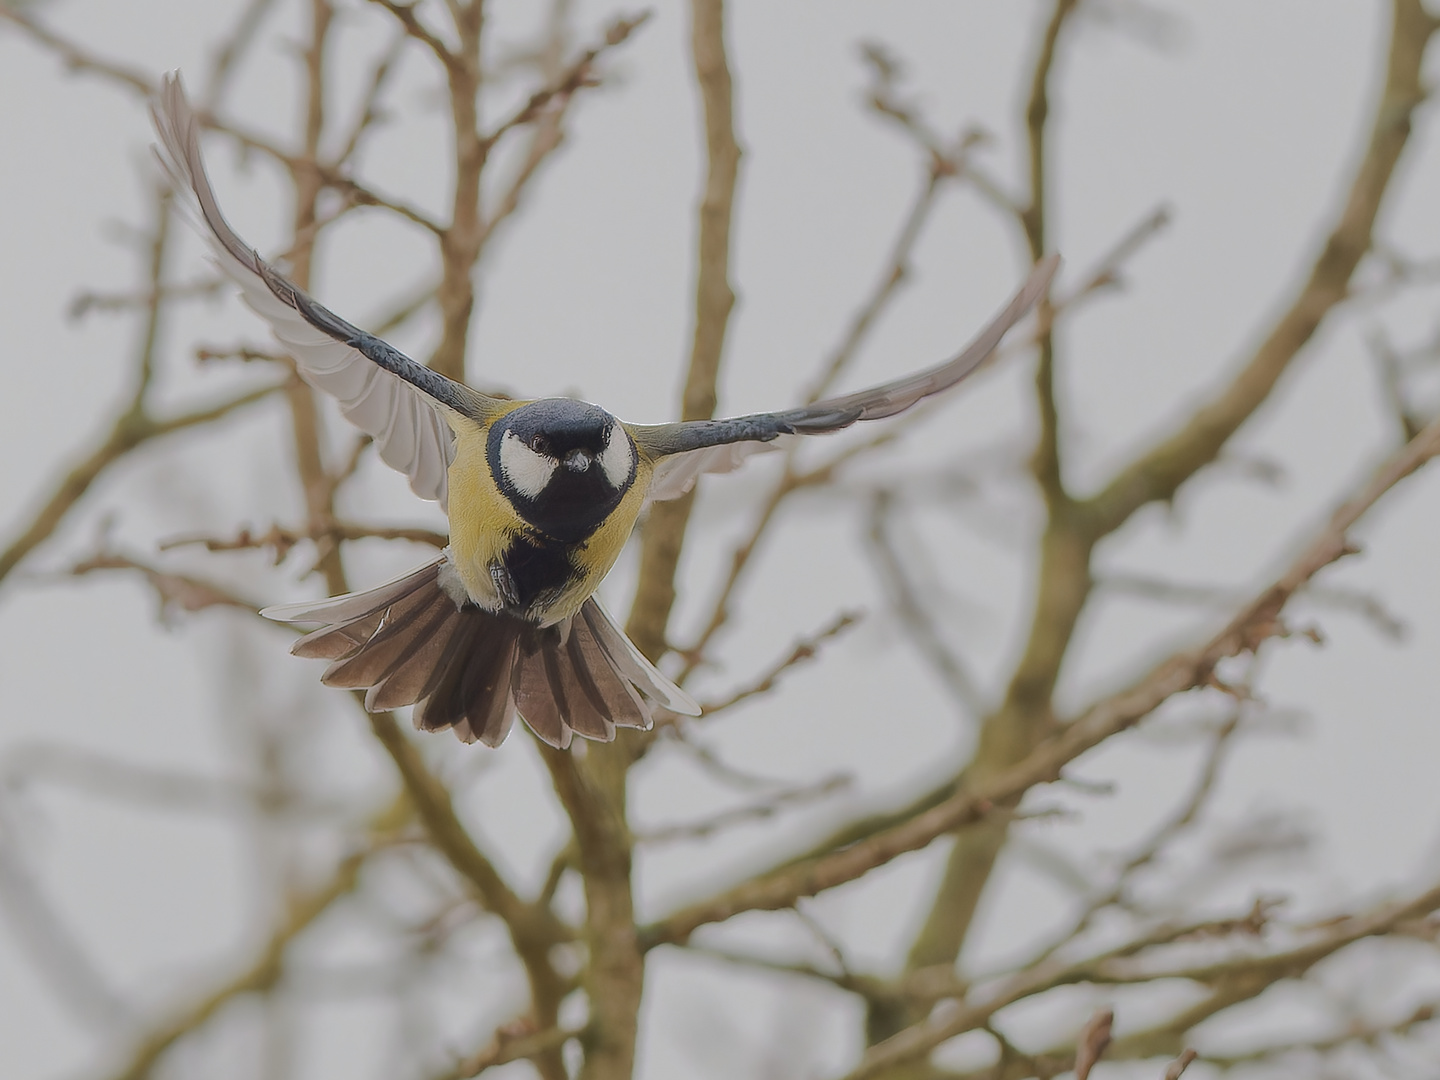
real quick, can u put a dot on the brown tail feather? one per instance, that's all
(473, 696)
(539, 699)
(597, 708)
(417, 675)
(340, 639)
(597, 675)
(406, 625)
(472, 670)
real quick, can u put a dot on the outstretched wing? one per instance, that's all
(689, 449)
(381, 391)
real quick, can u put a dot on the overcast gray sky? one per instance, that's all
(1244, 124)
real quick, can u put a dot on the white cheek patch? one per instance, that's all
(527, 471)
(617, 458)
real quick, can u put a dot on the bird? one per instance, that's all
(541, 497)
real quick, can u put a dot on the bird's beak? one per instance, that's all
(578, 460)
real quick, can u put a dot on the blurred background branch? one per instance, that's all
(499, 909)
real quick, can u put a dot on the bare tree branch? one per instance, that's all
(74, 57)
(129, 431)
(1094, 1038)
(1251, 627)
(761, 810)
(1139, 918)
(506, 1047)
(804, 651)
(300, 914)
(1025, 713)
(1159, 472)
(714, 298)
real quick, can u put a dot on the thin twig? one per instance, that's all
(913, 613)
(128, 432)
(405, 15)
(576, 75)
(76, 58)
(280, 540)
(62, 960)
(370, 113)
(236, 44)
(1177, 1068)
(103, 775)
(1151, 849)
(803, 651)
(515, 1044)
(763, 810)
(1093, 1039)
(301, 912)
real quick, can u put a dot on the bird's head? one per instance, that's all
(563, 464)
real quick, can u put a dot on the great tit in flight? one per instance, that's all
(541, 496)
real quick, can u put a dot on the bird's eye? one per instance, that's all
(540, 444)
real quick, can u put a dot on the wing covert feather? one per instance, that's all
(677, 474)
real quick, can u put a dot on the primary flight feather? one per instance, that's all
(541, 497)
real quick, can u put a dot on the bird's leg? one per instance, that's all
(504, 585)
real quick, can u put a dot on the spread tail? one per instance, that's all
(462, 667)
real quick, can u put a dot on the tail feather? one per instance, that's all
(409, 643)
(599, 676)
(474, 697)
(631, 664)
(585, 682)
(416, 676)
(338, 609)
(338, 639)
(438, 705)
(540, 697)
(407, 623)
(591, 715)
(350, 620)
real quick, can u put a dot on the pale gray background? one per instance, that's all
(1245, 124)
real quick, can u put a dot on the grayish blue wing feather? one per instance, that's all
(687, 450)
(380, 390)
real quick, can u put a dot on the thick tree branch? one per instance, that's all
(593, 793)
(1007, 734)
(664, 533)
(1233, 980)
(1159, 472)
(1072, 529)
(533, 928)
(1045, 461)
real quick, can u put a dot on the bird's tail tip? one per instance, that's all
(472, 670)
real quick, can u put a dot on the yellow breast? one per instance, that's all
(483, 524)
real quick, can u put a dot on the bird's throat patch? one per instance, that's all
(534, 572)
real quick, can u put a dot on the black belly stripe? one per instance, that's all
(539, 569)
